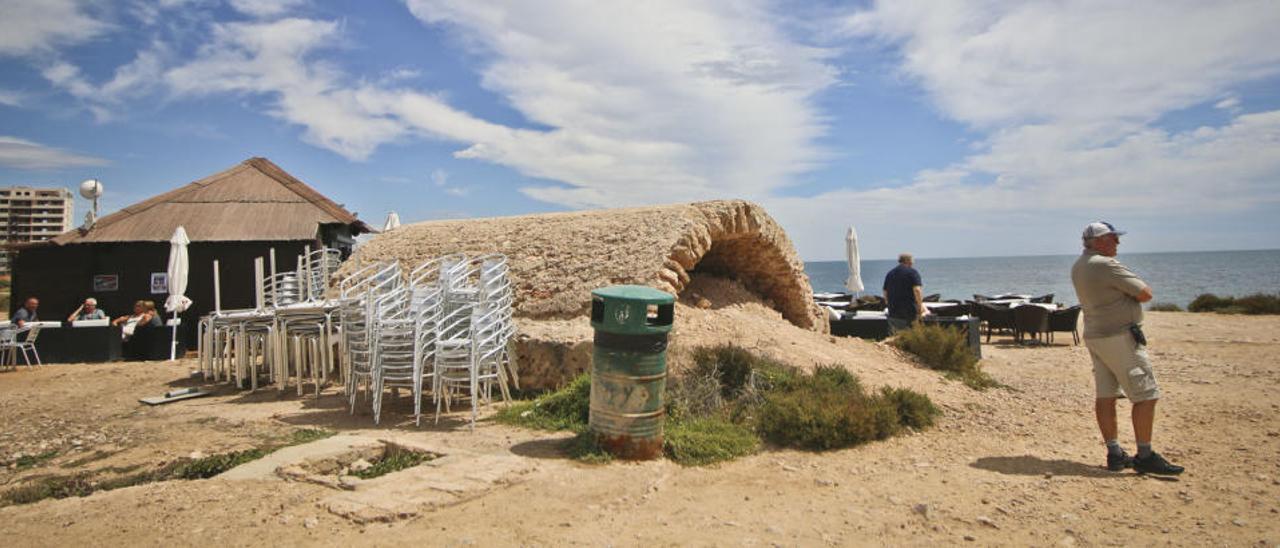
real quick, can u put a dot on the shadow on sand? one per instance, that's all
(1028, 465)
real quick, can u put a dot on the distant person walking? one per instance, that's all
(904, 293)
(1111, 296)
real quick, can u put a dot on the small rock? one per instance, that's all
(1048, 475)
(360, 465)
(703, 303)
(825, 482)
(922, 509)
(790, 468)
(310, 523)
(970, 538)
(773, 529)
(1239, 522)
(984, 520)
(196, 455)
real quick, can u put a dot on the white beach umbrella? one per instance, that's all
(854, 283)
(178, 266)
(393, 222)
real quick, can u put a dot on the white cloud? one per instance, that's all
(1068, 95)
(716, 104)
(10, 98)
(265, 8)
(133, 79)
(650, 102)
(990, 63)
(23, 154)
(440, 178)
(34, 26)
(1231, 104)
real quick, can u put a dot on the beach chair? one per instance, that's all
(1030, 319)
(994, 317)
(1065, 320)
(10, 345)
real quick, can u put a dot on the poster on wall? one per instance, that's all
(106, 282)
(159, 282)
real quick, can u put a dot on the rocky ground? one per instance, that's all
(1006, 466)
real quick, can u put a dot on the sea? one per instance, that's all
(1175, 278)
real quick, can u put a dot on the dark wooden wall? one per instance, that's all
(62, 276)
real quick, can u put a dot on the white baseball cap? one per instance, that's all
(1101, 228)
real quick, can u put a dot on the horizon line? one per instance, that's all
(918, 257)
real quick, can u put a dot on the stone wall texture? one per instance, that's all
(556, 259)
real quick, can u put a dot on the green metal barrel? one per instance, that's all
(629, 368)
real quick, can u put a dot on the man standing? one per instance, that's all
(27, 313)
(1111, 296)
(904, 294)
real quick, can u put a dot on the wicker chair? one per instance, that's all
(995, 317)
(1031, 319)
(1065, 320)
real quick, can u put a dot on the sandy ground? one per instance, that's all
(1016, 466)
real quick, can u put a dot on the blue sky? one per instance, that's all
(948, 128)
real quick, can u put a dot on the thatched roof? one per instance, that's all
(557, 259)
(253, 201)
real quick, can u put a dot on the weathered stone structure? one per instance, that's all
(558, 258)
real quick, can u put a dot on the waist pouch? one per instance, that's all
(1138, 335)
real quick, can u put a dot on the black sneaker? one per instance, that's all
(1155, 464)
(1116, 463)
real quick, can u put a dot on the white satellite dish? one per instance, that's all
(91, 189)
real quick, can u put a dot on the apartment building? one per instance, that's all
(32, 215)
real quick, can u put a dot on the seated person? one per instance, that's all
(141, 317)
(27, 313)
(88, 311)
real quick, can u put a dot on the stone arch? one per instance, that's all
(740, 241)
(556, 259)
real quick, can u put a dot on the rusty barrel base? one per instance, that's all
(630, 447)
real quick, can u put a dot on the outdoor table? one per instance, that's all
(876, 326)
(1046, 306)
(79, 344)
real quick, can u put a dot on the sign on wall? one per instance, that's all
(106, 282)
(159, 282)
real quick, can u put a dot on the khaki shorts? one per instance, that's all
(1121, 368)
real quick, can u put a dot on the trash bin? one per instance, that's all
(629, 368)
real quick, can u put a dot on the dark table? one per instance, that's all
(79, 344)
(877, 327)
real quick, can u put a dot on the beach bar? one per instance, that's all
(233, 216)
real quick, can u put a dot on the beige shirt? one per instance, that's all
(1107, 292)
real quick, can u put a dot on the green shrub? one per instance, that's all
(697, 442)
(947, 350)
(568, 408)
(1258, 303)
(915, 410)
(1164, 307)
(825, 410)
(586, 447)
(308, 435)
(938, 347)
(394, 460)
(1208, 302)
(731, 365)
(1255, 304)
(693, 395)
